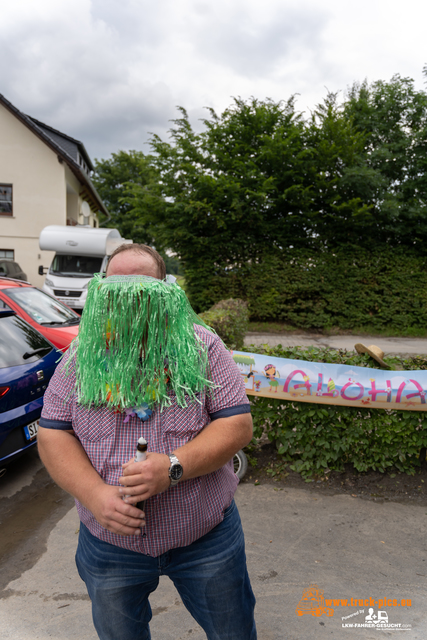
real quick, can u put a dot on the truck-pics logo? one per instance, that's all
(313, 603)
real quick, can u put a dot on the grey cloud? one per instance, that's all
(83, 80)
(137, 21)
(110, 71)
(126, 121)
(238, 42)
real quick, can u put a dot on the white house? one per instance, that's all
(44, 180)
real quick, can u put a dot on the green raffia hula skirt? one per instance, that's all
(137, 343)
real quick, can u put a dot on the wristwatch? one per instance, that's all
(175, 470)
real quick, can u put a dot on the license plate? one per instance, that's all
(69, 301)
(31, 430)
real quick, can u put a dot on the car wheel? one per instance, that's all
(240, 464)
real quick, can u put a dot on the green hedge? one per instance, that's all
(353, 288)
(230, 319)
(315, 439)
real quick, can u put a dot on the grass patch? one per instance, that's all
(273, 327)
(181, 281)
(410, 332)
(277, 327)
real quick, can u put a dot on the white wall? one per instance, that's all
(39, 193)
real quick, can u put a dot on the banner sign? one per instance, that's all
(339, 384)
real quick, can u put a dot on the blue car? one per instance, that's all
(27, 363)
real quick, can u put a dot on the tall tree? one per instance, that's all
(343, 186)
(118, 180)
(235, 191)
(393, 119)
(261, 183)
(258, 181)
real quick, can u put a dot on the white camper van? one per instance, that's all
(80, 252)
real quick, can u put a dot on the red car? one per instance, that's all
(54, 320)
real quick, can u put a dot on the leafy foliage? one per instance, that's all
(173, 265)
(261, 192)
(382, 289)
(339, 356)
(129, 186)
(393, 119)
(235, 191)
(317, 438)
(230, 320)
(317, 221)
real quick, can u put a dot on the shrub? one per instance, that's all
(230, 320)
(351, 288)
(315, 438)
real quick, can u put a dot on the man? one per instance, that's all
(190, 529)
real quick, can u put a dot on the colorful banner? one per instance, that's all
(339, 384)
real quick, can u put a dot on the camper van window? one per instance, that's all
(75, 266)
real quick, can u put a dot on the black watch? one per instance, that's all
(175, 470)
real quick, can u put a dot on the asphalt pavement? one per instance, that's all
(357, 561)
(349, 548)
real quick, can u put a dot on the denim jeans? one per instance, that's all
(210, 575)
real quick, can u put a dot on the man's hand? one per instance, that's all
(113, 513)
(69, 466)
(141, 480)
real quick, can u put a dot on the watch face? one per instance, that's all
(176, 472)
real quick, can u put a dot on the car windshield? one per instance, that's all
(41, 307)
(3, 305)
(20, 343)
(75, 266)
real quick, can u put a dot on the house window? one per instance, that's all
(83, 164)
(7, 253)
(6, 200)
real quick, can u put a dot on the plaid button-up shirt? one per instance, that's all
(185, 512)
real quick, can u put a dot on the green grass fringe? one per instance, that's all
(137, 345)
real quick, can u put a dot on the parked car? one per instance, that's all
(58, 323)
(27, 363)
(11, 269)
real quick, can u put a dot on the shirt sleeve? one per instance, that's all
(57, 402)
(229, 397)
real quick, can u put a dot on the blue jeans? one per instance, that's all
(210, 575)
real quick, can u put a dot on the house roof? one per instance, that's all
(69, 144)
(68, 150)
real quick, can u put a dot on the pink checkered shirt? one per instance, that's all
(185, 512)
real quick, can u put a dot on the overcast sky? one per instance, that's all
(108, 72)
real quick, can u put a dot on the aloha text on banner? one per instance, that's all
(303, 381)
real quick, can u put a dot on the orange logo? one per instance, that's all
(313, 603)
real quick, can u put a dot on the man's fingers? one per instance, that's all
(137, 490)
(138, 497)
(130, 481)
(125, 513)
(119, 517)
(122, 530)
(126, 525)
(132, 495)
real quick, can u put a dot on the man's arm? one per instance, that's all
(67, 463)
(213, 447)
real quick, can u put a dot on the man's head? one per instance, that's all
(136, 259)
(136, 340)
